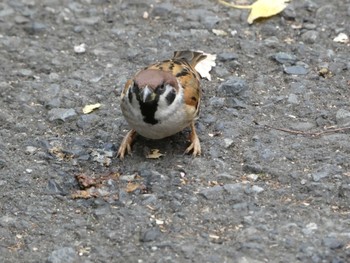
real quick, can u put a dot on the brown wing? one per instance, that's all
(182, 67)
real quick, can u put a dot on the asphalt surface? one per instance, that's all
(272, 183)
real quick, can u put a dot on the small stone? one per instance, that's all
(63, 255)
(343, 117)
(217, 102)
(149, 199)
(295, 70)
(332, 242)
(232, 87)
(310, 228)
(252, 177)
(24, 73)
(310, 37)
(302, 126)
(35, 27)
(87, 121)
(317, 176)
(233, 188)
(80, 49)
(150, 235)
(162, 10)
(285, 58)
(227, 142)
(293, 99)
(30, 149)
(54, 187)
(257, 189)
(6, 12)
(227, 56)
(20, 20)
(272, 42)
(211, 193)
(90, 20)
(61, 114)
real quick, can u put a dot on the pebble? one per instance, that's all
(227, 142)
(87, 121)
(293, 99)
(227, 56)
(234, 86)
(285, 58)
(343, 117)
(302, 126)
(317, 176)
(310, 37)
(63, 255)
(272, 42)
(54, 187)
(20, 20)
(217, 102)
(257, 189)
(310, 228)
(233, 188)
(211, 193)
(31, 149)
(90, 21)
(150, 235)
(295, 70)
(332, 242)
(162, 10)
(253, 177)
(61, 114)
(80, 49)
(35, 28)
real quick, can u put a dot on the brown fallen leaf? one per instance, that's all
(154, 154)
(82, 194)
(131, 187)
(261, 8)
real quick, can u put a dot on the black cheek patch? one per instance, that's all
(148, 110)
(170, 97)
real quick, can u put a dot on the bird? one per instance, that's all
(163, 99)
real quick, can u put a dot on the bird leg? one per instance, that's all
(125, 146)
(195, 144)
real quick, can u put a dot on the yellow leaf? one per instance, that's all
(261, 8)
(90, 108)
(154, 154)
(266, 8)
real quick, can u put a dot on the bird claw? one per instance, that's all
(125, 146)
(195, 145)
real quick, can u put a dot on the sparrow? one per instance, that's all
(164, 98)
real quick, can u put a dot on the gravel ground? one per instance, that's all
(272, 184)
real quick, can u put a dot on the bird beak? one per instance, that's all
(147, 95)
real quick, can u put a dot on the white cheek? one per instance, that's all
(164, 110)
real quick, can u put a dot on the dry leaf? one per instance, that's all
(131, 187)
(261, 8)
(204, 66)
(154, 154)
(90, 108)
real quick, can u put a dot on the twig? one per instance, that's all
(312, 134)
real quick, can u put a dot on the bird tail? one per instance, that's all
(200, 61)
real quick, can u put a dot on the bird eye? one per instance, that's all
(161, 89)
